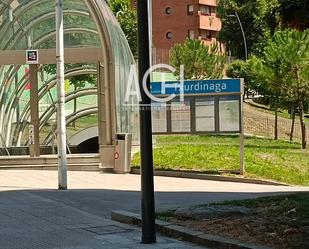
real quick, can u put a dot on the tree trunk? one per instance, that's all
(293, 124)
(302, 124)
(276, 120)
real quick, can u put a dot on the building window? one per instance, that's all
(205, 34)
(190, 9)
(208, 34)
(191, 34)
(169, 35)
(168, 10)
(205, 10)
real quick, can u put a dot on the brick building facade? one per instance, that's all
(175, 20)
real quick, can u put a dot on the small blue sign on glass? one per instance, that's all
(207, 87)
(32, 57)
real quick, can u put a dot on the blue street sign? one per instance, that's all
(206, 87)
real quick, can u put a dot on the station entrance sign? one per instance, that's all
(189, 87)
(200, 107)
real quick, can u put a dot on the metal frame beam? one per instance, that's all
(47, 56)
(34, 96)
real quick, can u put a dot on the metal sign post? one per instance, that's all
(148, 206)
(242, 132)
(61, 125)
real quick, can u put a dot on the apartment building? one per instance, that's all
(175, 20)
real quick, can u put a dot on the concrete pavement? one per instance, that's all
(29, 221)
(33, 214)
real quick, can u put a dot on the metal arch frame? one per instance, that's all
(24, 8)
(69, 97)
(45, 16)
(53, 107)
(13, 102)
(20, 10)
(106, 73)
(5, 87)
(96, 9)
(66, 31)
(42, 92)
(50, 84)
(42, 17)
(71, 118)
(11, 107)
(45, 37)
(106, 80)
(50, 111)
(8, 107)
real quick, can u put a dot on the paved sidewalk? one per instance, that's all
(34, 215)
(32, 222)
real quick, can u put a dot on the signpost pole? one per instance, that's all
(61, 125)
(242, 131)
(147, 184)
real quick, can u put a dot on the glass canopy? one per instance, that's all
(30, 24)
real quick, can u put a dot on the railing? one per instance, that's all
(160, 56)
(209, 22)
(208, 2)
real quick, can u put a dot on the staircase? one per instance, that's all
(75, 162)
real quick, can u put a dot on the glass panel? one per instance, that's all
(159, 123)
(181, 116)
(229, 113)
(31, 23)
(205, 114)
(24, 21)
(127, 118)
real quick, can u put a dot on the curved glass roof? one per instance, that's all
(28, 24)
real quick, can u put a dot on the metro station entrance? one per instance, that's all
(97, 59)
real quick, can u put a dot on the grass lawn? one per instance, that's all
(264, 158)
(279, 221)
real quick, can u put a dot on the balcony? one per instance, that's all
(208, 2)
(210, 22)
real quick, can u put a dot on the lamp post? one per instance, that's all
(147, 182)
(243, 33)
(61, 125)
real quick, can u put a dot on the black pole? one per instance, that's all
(148, 206)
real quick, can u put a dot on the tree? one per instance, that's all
(287, 55)
(200, 61)
(78, 81)
(294, 13)
(127, 19)
(248, 70)
(118, 5)
(258, 78)
(255, 16)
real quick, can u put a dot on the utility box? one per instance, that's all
(123, 153)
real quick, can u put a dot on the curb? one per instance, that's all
(200, 176)
(184, 233)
